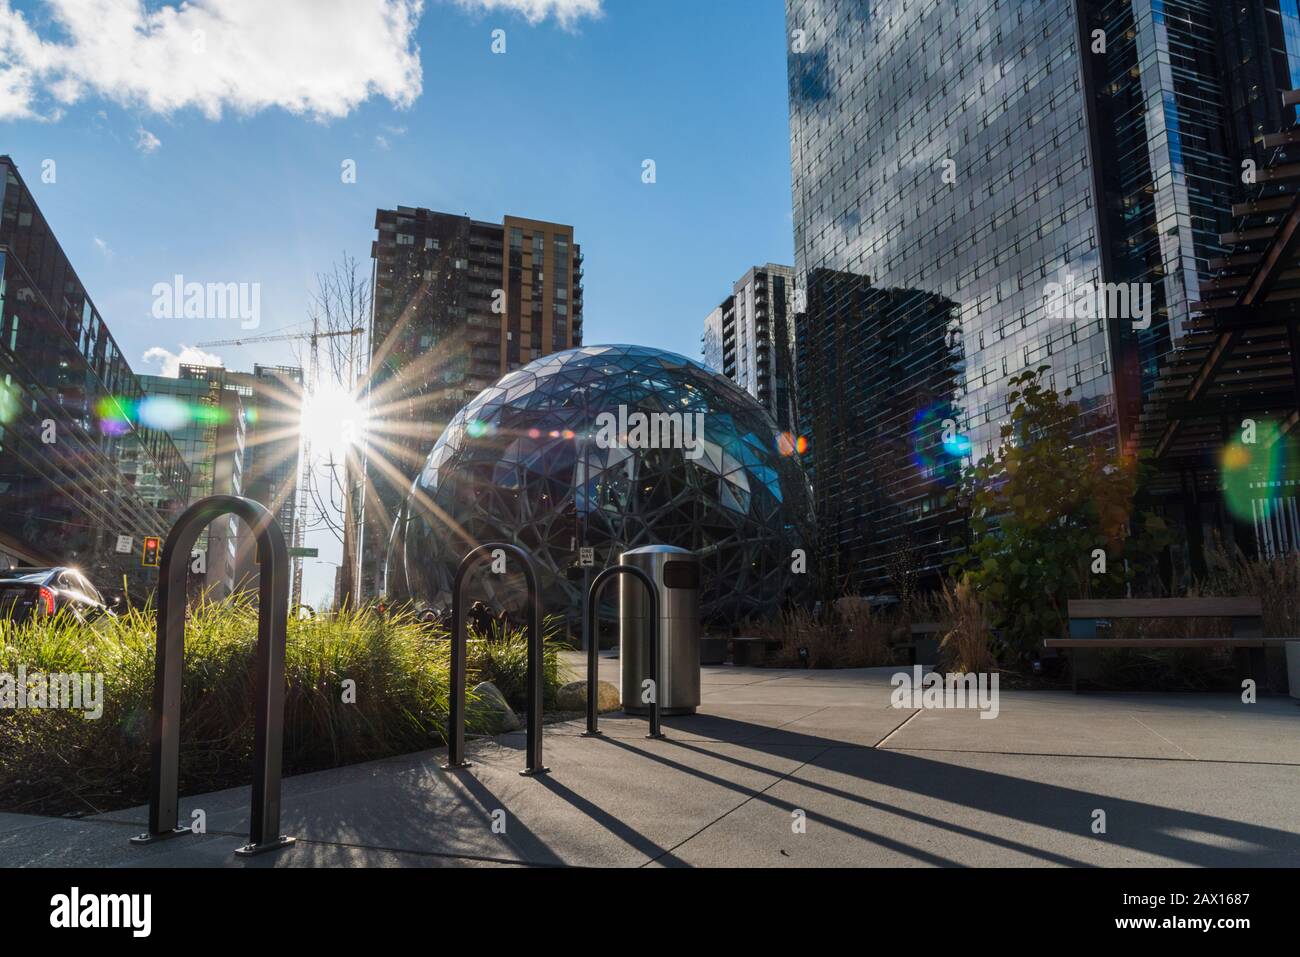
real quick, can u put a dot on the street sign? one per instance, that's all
(152, 548)
(587, 556)
(304, 553)
(125, 544)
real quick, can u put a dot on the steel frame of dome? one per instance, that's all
(509, 467)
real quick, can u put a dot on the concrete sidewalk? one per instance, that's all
(1181, 780)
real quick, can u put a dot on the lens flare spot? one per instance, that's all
(1249, 470)
(163, 412)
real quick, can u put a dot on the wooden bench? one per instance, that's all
(752, 652)
(923, 649)
(1088, 616)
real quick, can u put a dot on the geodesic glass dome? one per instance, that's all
(527, 462)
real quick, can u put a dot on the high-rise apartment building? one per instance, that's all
(458, 303)
(69, 450)
(968, 159)
(749, 338)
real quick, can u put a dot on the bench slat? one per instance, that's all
(1166, 608)
(1102, 643)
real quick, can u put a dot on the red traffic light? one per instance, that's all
(152, 547)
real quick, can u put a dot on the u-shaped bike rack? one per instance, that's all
(165, 715)
(606, 576)
(456, 720)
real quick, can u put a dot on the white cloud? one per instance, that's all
(315, 57)
(565, 11)
(145, 141)
(171, 361)
(102, 246)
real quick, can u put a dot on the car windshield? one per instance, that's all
(90, 590)
(23, 576)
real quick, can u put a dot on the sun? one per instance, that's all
(333, 420)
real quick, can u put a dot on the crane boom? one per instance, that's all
(355, 331)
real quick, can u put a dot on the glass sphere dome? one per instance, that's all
(554, 457)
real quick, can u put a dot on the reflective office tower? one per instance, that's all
(239, 432)
(458, 304)
(67, 451)
(1008, 159)
(272, 397)
(207, 423)
(749, 338)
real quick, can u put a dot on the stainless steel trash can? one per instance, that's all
(676, 572)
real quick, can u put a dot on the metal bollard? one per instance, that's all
(456, 720)
(606, 576)
(165, 715)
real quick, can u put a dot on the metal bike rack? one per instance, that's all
(456, 720)
(165, 715)
(606, 576)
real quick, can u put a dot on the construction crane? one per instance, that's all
(300, 518)
(313, 336)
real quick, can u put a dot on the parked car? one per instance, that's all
(47, 591)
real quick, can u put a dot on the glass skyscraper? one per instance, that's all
(69, 454)
(953, 162)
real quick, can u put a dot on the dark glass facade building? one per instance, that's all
(68, 454)
(960, 159)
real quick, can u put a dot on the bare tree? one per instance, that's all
(340, 303)
(336, 360)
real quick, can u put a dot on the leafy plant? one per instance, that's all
(1052, 517)
(504, 662)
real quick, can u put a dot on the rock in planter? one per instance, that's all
(573, 697)
(492, 709)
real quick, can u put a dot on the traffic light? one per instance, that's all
(152, 546)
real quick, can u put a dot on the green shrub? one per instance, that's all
(504, 662)
(56, 761)
(1052, 517)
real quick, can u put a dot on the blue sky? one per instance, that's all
(556, 128)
